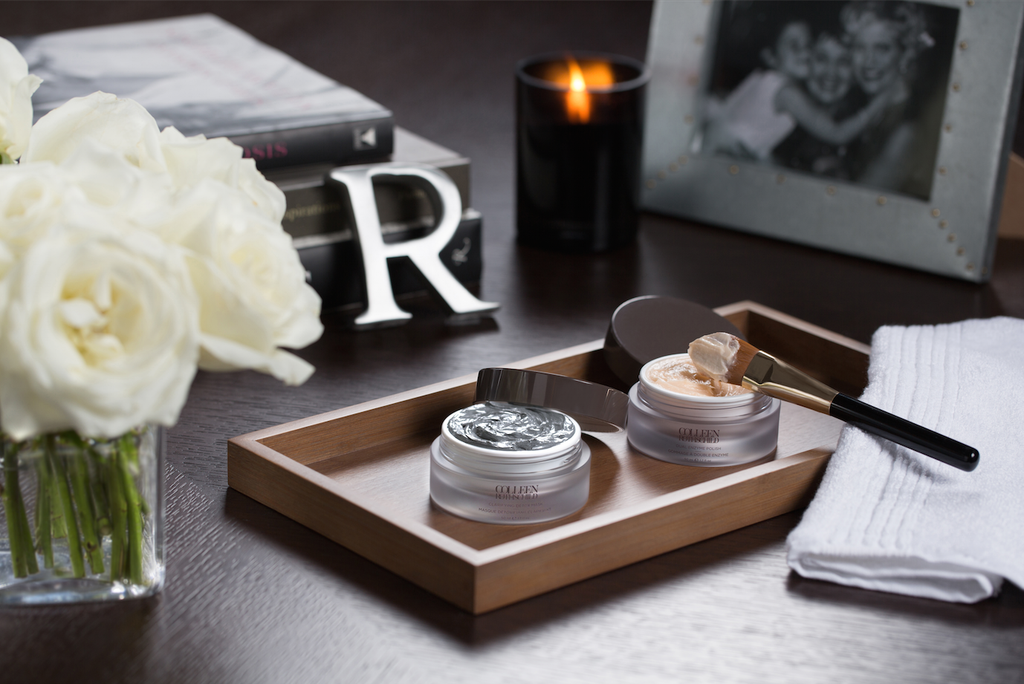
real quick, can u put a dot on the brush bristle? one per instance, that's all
(744, 356)
(722, 356)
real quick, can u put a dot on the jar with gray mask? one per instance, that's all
(509, 464)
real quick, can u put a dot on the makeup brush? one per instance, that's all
(727, 358)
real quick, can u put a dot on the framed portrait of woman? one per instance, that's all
(877, 129)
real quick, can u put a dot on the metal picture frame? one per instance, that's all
(964, 101)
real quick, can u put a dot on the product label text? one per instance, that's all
(699, 435)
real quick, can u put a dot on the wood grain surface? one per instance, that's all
(255, 597)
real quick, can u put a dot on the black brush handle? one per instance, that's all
(910, 435)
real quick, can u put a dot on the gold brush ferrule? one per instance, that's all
(767, 375)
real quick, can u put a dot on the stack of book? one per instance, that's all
(203, 75)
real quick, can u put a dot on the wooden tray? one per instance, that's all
(359, 476)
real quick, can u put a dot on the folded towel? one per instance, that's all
(888, 518)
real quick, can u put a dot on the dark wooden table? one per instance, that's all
(253, 597)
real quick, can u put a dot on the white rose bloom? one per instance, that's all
(31, 198)
(119, 124)
(106, 178)
(190, 160)
(16, 88)
(252, 288)
(100, 331)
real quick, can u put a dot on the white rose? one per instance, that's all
(16, 88)
(121, 125)
(31, 197)
(100, 330)
(252, 289)
(106, 178)
(190, 160)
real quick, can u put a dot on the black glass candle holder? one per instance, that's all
(579, 135)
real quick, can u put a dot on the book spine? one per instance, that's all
(347, 142)
(315, 209)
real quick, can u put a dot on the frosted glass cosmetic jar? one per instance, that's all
(698, 430)
(509, 464)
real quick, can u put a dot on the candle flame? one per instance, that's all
(581, 79)
(577, 100)
(576, 80)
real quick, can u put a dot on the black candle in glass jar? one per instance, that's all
(579, 134)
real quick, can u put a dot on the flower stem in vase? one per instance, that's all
(80, 487)
(127, 461)
(118, 516)
(44, 523)
(23, 554)
(98, 491)
(68, 510)
(58, 530)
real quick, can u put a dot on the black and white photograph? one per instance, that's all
(853, 91)
(879, 129)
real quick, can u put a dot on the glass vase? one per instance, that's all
(82, 519)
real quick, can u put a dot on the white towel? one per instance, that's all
(888, 518)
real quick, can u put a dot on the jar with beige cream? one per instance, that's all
(677, 414)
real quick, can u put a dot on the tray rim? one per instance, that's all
(471, 564)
